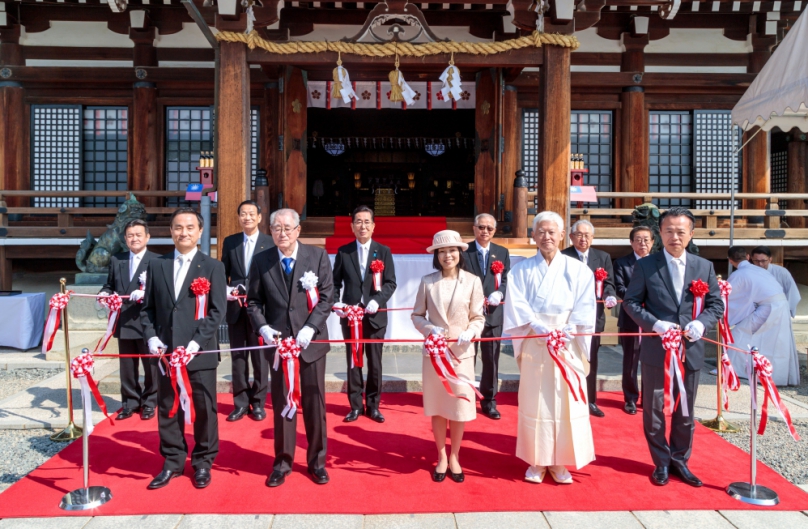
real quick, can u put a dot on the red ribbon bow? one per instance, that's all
(497, 268)
(674, 370)
(377, 267)
(763, 370)
(699, 289)
(82, 367)
(181, 383)
(439, 353)
(201, 288)
(355, 314)
(600, 276)
(114, 304)
(289, 352)
(729, 379)
(57, 303)
(556, 345)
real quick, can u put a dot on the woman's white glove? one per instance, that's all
(465, 337)
(137, 296)
(438, 330)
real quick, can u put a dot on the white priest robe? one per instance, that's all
(790, 288)
(759, 317)
(553, 427)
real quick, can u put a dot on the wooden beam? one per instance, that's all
(485, 149)
(797, 174)
(554, 137)
(633, 144)
(145, 149)
(13, 164)
(756, 169)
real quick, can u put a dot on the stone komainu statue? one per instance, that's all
(648, 215)
(94, 256)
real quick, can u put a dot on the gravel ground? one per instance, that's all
(22, 451)
(777, 448)
(16, 380)
(797, 392)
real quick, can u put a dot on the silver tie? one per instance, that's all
(179, 277)
(678, 278)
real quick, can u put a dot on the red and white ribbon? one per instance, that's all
(377, 267)
(81, 367)
(142, 280)
(309, 283)
(289, 353)
(57, 303)
(497, 268)
(181, 383)
(763, 370)
(113, 303)
(355, 314)
(723, 326)
(600, 276)
(674, 370)
(557, 347)
(201, 288)
(729, 379)
(699, 289)
(441, 357)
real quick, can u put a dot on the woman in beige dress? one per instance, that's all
(449, 302)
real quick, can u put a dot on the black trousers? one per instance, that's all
(373, 353)
(206, 426)
(133, 396)
(631, 360)
(489, 354)
(244, 393)
(312, 386)
(592, 377)
(653, 417)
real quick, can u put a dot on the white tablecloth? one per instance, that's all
(22, 320)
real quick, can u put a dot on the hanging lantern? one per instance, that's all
(411, 180)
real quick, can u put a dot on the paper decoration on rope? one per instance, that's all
(451, 82)
(342, 88)
(375, 94)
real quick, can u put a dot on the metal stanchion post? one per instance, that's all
(71, 431)
(751, 492)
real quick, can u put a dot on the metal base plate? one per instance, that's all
(719, 424)
(85, 499)
(70, 433)
(754, 496)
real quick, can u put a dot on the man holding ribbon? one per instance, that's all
(184, 305)
(366, 271)
(127, 277)
(669, 290)
(289, 295)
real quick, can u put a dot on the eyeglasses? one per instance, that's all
(358, 223)
(579, 235)
(645, 241)
(285, 229)
(485, 228)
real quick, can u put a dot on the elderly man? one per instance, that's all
(762, 257)
(481, 256)
(759, 311)
(582, 235)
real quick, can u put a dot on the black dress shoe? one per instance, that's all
(125, 413)
(660, 476)
(438, 476)
(162, 479)
(376, 415)
(319, 476)
(684, 473)
(201, 478)
(352, 416)
(457, 478)
(146, 413)
(277, 478)
(257, 414)
(237, 414)
(594, 410)
(492, 413)
(630, 408)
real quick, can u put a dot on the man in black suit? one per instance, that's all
(277, 305)
(125, 271)
(352, 268)
(170, 321)
(237, 254)
(642, 240)
(480, 256)
(659, 298)
(582, 235)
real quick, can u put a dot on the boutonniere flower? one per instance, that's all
(600, 276)
(377, 267)
(309, 283)
(699, 289)
(497, 268)
(201, 288)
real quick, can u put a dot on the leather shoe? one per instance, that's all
(630, 408)
(162, 479)
(437, 477)
(352, 416)
(492, 413)
(457, 478)
(684, 473)
(376, 415)
(125, 413)
(277, 478)
(257, 414)
(237, 414)
(594, 410)
(146, 413)
(660, 476)
(319, 476)
(201, 478)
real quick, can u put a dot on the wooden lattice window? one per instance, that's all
(56, 152)
(670, 155)
(105, 134)
(716, 169)
(530, 147)
(591, 136)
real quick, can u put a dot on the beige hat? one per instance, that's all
(447, 239)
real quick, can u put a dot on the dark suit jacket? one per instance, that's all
(270, 303)
(235, 268)
(495, 253)
(597, 259)
(129, 326)
(358, 290)
(173, 321)
(650, 297)
(623, 268)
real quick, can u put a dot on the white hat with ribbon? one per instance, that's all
(447, 239)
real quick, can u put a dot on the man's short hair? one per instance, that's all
(678, 211)
(636, 229)
(136, 222)
(551, 216)
(363, 209)
(284, 212)
(762, 250)
(582, 222)
(737, 253)
(188, 211)
(481, 216)
(248, 203)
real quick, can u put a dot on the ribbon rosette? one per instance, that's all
(57, 303)
(763, 369)
(81, 367)
(113, 303)
(723, 325)
(377, 267)
(439, 353)
(600, 276)
(556, 346)
(181, 383)
(355, 313)
(289, 352)
(309, 283)
(674, 370)
(497, 268)
(699, 289)
(201, 288)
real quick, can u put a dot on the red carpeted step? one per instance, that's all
(385, 468)
(404, 235)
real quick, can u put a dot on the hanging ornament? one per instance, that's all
(399, 89)
(342, 87)
(451, 82)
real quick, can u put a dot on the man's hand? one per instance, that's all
(661, 327)
(230, 296)
(268, 334)
(495, 299)
(304, 336)
(137, 296)
(610, 302)
(98, 304)
(372, 307)
(694, 331)
(192, 347)
(339, 309)
(156, 347)
(465, 337)
(568, 331)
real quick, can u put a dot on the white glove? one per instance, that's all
(193, 347)
(304, 336)
(610, 302)
(438, 330)
(495, 299)
(339, 309)
(137, 296)
(230, 296)
(156, 346)
(465, 337)
(694, 331)
(98, 304)
(372, 307)
(661, 327)
(568, 331)
(268, 334)
(539, 328)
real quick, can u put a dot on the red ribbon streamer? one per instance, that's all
(355, 314)
(289, 352)
(763, 369)
(178, 361)
(57, 303)
(600, 276)
(729, 379)
(439, 353)
(82, 366)
(723, 326)
(377, 267)
(555, 347)
(674, 370)
(114, 304)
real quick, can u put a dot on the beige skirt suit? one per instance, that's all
(455, 305)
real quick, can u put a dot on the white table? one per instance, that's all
(22, 321)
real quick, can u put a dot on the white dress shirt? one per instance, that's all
(584, 257)
(249, 249)
(293, 256)
(676, 267)
(182, 263)
(484, 252)
(363, 251)
(134, 262)
(637, 256)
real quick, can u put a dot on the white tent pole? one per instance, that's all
(734, 152)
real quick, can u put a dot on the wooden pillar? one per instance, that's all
(554, 136)
(14, 172)
(272, 162)
(232, 137)
(145, 173)
(295, 140)
(756, 169)
(633, 144)
(797, 174)
(485, 148)
(510, 156)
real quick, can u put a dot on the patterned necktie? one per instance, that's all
(583, 258)
(287, 265)
(481, 260)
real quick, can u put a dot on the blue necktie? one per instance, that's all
(287, 265)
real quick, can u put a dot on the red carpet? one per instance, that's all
(404, 235)
(385, 468)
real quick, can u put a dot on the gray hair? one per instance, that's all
(550, 216)
(582, 222)
(283, 213)
(482, 216)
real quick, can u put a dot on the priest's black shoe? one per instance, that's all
(258, 414)
(277, 478)
(353, 415)
(660, 476)
(125, 413)
(146, 413)
(237, 414)
(201, 478)
(594, 410)
(319, 476)
(376, 415)
(630, 408)
(684, 473)
(492, 413)
(162, 479)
